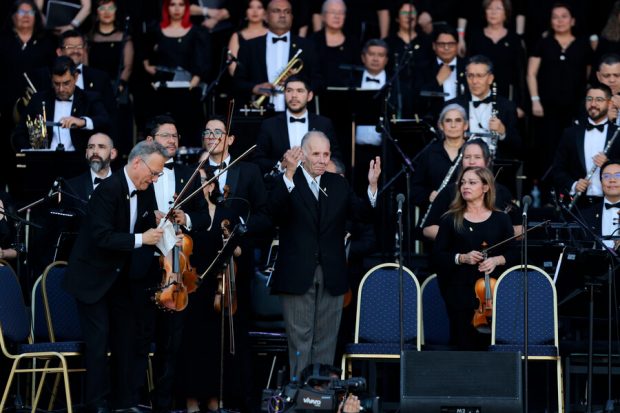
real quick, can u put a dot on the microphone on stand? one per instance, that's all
(527, 201)
(400, 198)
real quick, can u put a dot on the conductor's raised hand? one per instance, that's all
(291, 159)
(374, 172)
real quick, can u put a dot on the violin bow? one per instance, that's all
(485, 251)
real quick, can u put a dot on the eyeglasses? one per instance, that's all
(597, 99)
(408, 13)
(217, 133)
(608, 176)
(73, 47)
(111, 7)
(446, 45)
(472, 76)
(167, 135)
(153, 173)
(25, 12)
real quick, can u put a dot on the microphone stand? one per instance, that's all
(401, 299)
(614, 258)
(229, 60)
(524, 269)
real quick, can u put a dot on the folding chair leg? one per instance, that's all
(54, 391)
(65, 373)
(8, 384)
(37, 396)
(560, 385)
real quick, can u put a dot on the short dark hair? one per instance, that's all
(609, 59)
(605, 165)
(600, 86)
(444, 29)
(62, 65)
(480, 60)
(302, 79)
(375, 42)
(68, 34)
(152, 125)
(506, 3)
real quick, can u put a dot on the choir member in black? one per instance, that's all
(608, 73)
(367, 19)
(199, 360)
(112, 51)
(471, 224)
(556, 77)
(80, 18)
(502, 45)
(433, 164)
(334, 46)
(407, 44)
(489, 113)
(177, 43)
(581, 149)
(26, 46)
(445, 74)
(475, 153)
(7, 229)
(609, 40)
(437, 12)
(255, 17)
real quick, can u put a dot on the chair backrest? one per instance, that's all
(378, 306)
(61, 307)
(435, 321)
(508, 309)
(14, 317)
(40, 331)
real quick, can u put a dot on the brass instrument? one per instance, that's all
(37, 130)
(23, 101)
(293, 67)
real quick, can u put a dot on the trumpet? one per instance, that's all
(293, 67)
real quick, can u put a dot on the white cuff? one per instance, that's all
(137, 243)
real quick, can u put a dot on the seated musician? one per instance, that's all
(583, 149)
(471, 224)
(604, 216)
(475, 153)
(72, 114)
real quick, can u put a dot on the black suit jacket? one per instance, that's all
(273, 140)
(104, 245)
(510, 146)
(252, 66)
(84, 104)
(429, 107)
(570, 163)
(312, 233)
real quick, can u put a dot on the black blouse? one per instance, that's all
(332, 57)
(431, 168)
(106, 56)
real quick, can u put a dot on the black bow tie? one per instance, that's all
(220, 166)
(609, 206)
(277, 39)
(98, 180)
(292, 119)
(600, 128)
(169, 165)
(439, 65)
(480, 102)
(134, 192)
(370, 79)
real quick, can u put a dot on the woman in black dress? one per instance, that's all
(475, 153)
(471, 225)
(175, 44)
(80, 18)
(199, 361)
(255, 16)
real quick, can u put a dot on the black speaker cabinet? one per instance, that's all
(460, 382)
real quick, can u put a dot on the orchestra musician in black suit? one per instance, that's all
(582, 149)
(489, 112)
(74, 114)
(262, 59)
(285, 130)
(119, 219)
(311, 207)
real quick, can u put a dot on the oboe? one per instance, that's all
(444, 183)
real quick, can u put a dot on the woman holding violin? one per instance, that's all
(199, 361)
(471, 225)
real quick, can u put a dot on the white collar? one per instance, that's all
(309, 178)
(130, 183)
(304, 115)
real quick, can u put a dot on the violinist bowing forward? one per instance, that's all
(471, 224)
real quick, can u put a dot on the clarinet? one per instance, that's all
(593, 170)
(444, 183)
(494, 112)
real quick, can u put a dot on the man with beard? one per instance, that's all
(582, 149)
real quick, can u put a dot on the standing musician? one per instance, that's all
(582, 149)
(475, 153)
(311, 206)
(604, 216)
(488, 112)
(119, 219)
(471, 224)
(433, 164)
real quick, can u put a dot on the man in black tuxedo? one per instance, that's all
(120, 218)
(603, 217)
(74, 113)
(444, 80)
(285, 130)
(582, 149)
(608, 73)
(489, 113)
(261, 60)
(311, 207)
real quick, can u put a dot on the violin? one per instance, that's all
(172, 294)
(484, 292)
(226, 296)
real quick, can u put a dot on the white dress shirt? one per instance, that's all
(133, 210)
(449, 85)
(276, 60)
(221, 180)
(367, 134)
(165, 189)
(609, 223)
(62, 109)
(80, 80)
(296, 130)
(593, 143)
(369, 84)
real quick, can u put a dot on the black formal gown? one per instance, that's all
(457, 282)
(430, 170)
